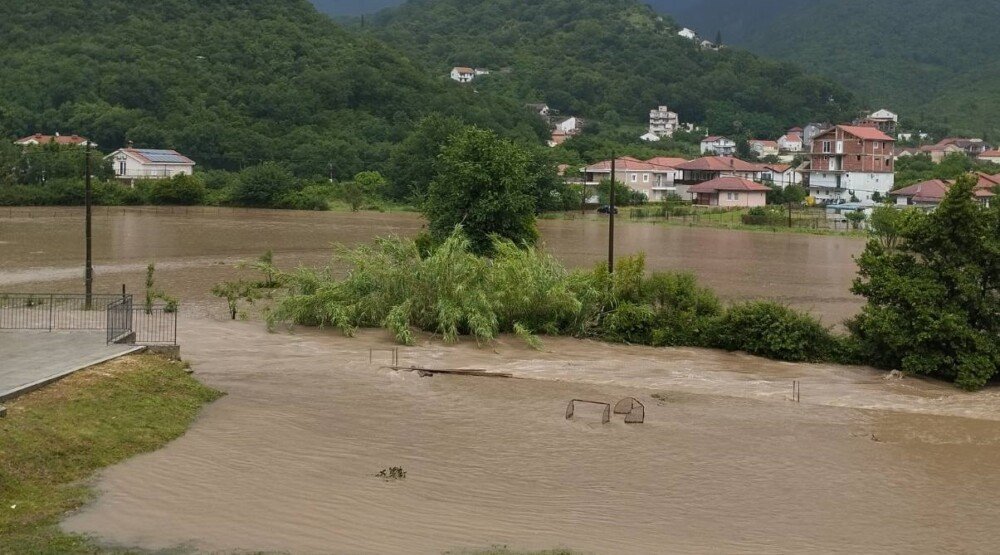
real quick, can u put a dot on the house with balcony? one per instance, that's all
(132, 164)
(463, 74)
(781, 175)
(883, 120)
(849, 161)
(657, 178)
(663, 122)
(708, 168)
(718, 146)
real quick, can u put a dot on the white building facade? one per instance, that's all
(663, 122)
(132, 164)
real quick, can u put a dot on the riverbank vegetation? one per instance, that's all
(54, 439)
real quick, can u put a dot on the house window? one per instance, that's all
(732, 196)
(645, 178)
(635, 178)
(827, 146)
(121, 167)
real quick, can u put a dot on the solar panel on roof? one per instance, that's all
(163, 156)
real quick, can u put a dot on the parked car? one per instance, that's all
(606, 209)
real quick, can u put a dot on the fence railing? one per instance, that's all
(116, 315)
(155, 325)
(55, 311)
(119, 321)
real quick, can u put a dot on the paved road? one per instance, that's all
(30, 357)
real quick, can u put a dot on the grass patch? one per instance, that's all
(55, 439)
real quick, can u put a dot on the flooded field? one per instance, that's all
(196, 247)
(725, 462)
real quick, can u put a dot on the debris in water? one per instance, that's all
(605, 417)
(392, 473)
(893, 375)
(428, 372)
(634, 411)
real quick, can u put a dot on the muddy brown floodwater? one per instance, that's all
(724, 462)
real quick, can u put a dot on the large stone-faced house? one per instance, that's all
(851, 161)
(719, 146)
(730, 191)
(131, 164)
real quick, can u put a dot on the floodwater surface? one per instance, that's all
(724, 462)
(194, 248)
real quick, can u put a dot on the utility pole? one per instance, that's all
(89, 272)
(611, 219)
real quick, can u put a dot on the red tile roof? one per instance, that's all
(628, 163)
(58, 139)
(867, 133)
(666, 161)
(926, 191)
(728, 183)
(461, 69)
(718, 164)
(764, 142)
(793, 137)
(780, 168)
(712, 138)
(990, 154)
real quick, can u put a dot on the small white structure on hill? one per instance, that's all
(131, 164)
(62, 140)
(688, 33)
(717, 145)
(463, 74)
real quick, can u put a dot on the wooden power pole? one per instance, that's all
(89, 272)
(611, 219)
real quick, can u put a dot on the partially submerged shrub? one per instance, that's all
(773, 330)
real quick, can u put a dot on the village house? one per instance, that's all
(730, 191)
(708, 168)
(656, 178)
(929, 194)
(540, 108)
(688, 34)
(663, 122)
(463, 74)
(990, 156)
(781, 175)
(937, 152)
(131, 164)
(763, 148)
(62, 140)
(790, 142)
(850, 161)
(972, 147)
(810, 131)
(719, 146)
(883, 120)
(564, 129)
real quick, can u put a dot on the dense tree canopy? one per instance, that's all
(230, 84)
(609, 61)
(932, 282)
(485, 184)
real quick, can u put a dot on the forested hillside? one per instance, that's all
(228, 83)
(353, 7)
(609, 61)
(934, 61)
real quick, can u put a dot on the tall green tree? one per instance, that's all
(411, 164)
(933, 291)
(264, 185)
(485, 184)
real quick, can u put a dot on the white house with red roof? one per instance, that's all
(131, 164)
(990, 156)
(717, 145)
(850, 161)
(63, 140)
(730, 191)
(790, 142)
(463, 74)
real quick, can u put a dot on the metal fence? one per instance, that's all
(116, 315)
(54, 311)
(155, 325)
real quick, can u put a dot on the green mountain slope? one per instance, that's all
(228, 83)
(611, 61)
(934, 61)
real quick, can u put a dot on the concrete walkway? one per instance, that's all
(30, 359)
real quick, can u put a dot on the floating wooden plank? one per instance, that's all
(427, 372)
